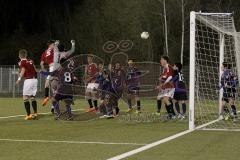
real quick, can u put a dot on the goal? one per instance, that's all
(213, 40)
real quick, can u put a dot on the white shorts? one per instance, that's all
(91, 87)
(169, 92)
(30, 87)
(51, 69)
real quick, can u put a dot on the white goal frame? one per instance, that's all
(192, 65)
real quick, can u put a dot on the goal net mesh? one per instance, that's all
(210, 29)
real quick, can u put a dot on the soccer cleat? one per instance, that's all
(45, 101)
(157, 113)
(179, 116)
(103, 116)
(137, 111)
(90, 110)
(227, 116)
(28, 117)
(130, 110)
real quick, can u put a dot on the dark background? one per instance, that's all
(31, 23)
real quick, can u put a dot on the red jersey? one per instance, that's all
(91, 71)
(48, 56)
(30, 71)
(167, 72)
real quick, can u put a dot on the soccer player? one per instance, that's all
(64, 90)
(91, 72)
(118, 81)
(52, 57)
(229, 83)
(47, 58)
(133, 86)
(106, 107)
(28, 71)
(166, 88)
(180, 94)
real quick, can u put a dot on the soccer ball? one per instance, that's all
(144, 35)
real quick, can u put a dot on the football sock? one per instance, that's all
(95, 104)
(34, 105)
(46, 92)
(129, 103)
(234, 110)
(177, 107)
(159, 105)
(138, 105)
(90, 103)
(184, 108)
(27, 107)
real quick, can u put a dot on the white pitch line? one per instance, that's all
(148, 146)
(23, 115)
(228, 130)
(71, 142)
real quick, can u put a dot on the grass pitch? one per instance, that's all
(90, 138)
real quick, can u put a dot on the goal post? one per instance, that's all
(213, 40)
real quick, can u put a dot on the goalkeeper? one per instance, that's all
(229, 83)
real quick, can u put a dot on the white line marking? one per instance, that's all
(148, 146)
(23, 115)
(71, 142)
(215, 129)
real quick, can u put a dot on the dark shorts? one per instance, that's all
(229, 93)
(59, 97)
(133, 90)
(180, 96)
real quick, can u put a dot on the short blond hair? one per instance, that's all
(22, 53)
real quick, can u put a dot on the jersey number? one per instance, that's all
(67, 77)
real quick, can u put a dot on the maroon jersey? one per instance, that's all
(48, 56)
(30, 71)
(167, 72)
(92, 72)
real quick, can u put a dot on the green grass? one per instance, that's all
(191, 146)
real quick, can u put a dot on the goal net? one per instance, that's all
(213, 40)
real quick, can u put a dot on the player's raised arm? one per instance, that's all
(71, 51)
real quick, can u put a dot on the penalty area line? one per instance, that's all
(71, 142)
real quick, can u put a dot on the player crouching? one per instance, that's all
(28, 71)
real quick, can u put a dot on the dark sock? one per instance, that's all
(159, 105)
(90, 103)
(117, 110)
(234, 110)
(68, 109)
(95, 104)
(168, 109)
(46, 92)
(129, 103)
(138, 105)
(184, 108)
(27, 107)
(177, 107)
(56, 107)
(225, 109)
(171, 108)
(34, 106)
